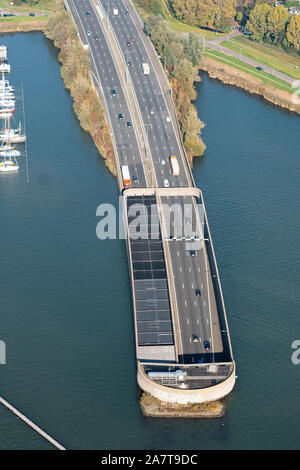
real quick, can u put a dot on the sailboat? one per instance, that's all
(8, 154)
(15, 136)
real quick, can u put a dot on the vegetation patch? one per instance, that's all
(155, 408)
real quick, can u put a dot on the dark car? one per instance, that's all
(120, 116)
(126, 12)
(113, 92)
(96, 37)
(87, 13)
(198, 292)
(135, 179)
(192, 252)
(129, 124)
(206, 344)
(31, 14)
(259, 68)
(128, 63)
(128, 43)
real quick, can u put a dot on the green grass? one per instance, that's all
(43, 5)
(287, 68)
(265, 77)
(21, 19)
(272, 51)
(156, 7)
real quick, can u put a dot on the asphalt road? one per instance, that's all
(106, 73)
(150, 96)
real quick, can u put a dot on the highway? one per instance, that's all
(198, 318)
(195, 314)
(106, 74)
(150, 96)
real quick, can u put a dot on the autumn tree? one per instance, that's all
(277, 20)
(293, 33)
(258, 22)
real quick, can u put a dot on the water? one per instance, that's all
(66, 313)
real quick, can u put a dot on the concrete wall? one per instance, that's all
(172, 395)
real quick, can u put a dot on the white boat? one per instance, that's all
(4, 65)
(8, 166)
(8, 151)
(15, 136)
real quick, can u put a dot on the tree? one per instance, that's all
(276, 23)
(258, 22)
(293, 32)
(194, 48)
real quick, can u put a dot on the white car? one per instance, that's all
(163, 162)
(168, 119)
(89, 33)
(166, 183)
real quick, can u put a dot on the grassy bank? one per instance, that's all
(239, 75)
(284, 65)
(238, 64)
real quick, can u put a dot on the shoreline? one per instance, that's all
(233, 77)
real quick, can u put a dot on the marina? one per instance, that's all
(9, 135)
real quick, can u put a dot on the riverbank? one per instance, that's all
(154, 408)
(231, 76)
(75, 72)
(24, 26)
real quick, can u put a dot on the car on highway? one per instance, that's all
(166, 183)
(120, 116)
(128, 62)
(128, 43)
(31, 14)
(195, 339)
(192, 252)
(206, 344)
(89, 33)
(132, 39)
(113, 92)
(152, 111)
(259, 68)
(168, 119)
(198, 292)
(126, 12)
(87, 13)
(163, 162)
(129, 124)
(96, 37)
(135, 179)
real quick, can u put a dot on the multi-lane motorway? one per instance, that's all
(118, 48)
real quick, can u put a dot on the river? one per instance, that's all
(66, 313)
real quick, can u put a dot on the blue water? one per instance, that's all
(66, 313)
